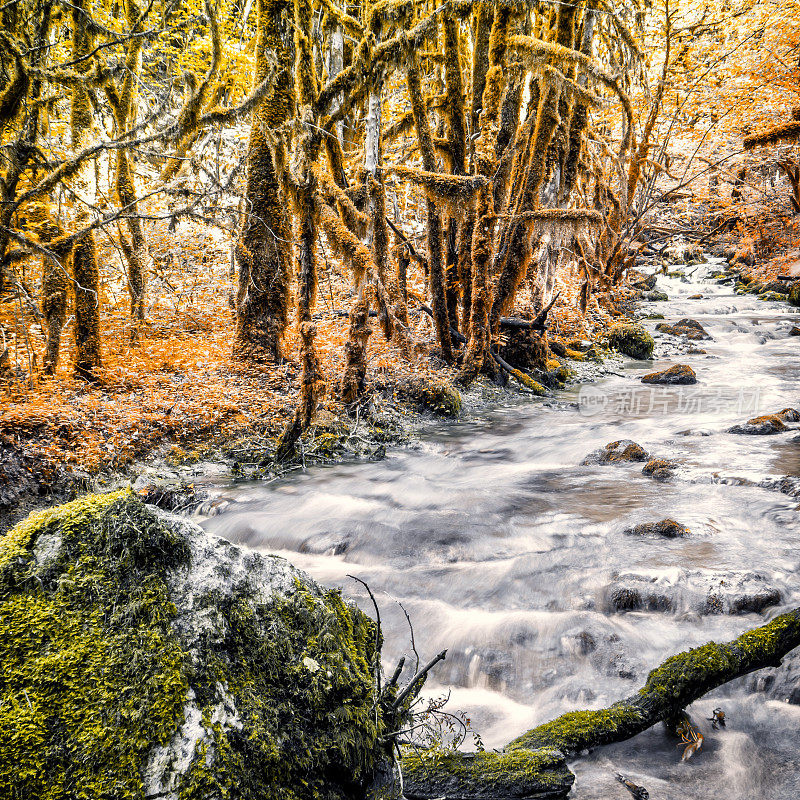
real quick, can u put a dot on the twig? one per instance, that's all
(419, 676)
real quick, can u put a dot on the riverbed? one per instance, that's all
(503, 548)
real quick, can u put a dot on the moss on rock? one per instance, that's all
(436, 396)
(92, 674)
(140, 656)
(631, 340)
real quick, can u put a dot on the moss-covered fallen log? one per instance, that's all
(669, 689)
(482, 776)
(533, 765)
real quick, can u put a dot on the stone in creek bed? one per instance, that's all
(676, 374)
(690, 328)
(667, 528)
(795, 331)
(656, 296)
(729, 593)
(767, 424)
(659, 469)
(695, 297)
(619, 452)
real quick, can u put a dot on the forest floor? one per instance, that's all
(178, 397)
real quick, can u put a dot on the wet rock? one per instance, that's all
(788, 485)
(631, 340)
(619, 452)
(659, 469)
(690, 328)
(771, 296)
(761, 426)
(684, 591)
(667, 528)
(696, 351)
(517, 775)
(171, 497)
(779, 287)
(634, 593)
(794, 294)
(794, 697)
(795, 331)
(656, 296)
(789, 415)
(695, 297)
(639, 280)
(676, 374)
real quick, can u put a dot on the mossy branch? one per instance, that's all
(785, 132)
(442, 187)
(669, 689)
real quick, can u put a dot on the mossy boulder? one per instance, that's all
(794, 294)
(427, 394)
(142, 657)
(631, 340)
(659, 469)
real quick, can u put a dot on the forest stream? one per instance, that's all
(506, 550)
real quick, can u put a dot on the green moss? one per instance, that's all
(632, 340)
(570, 732)
(91, 674)
(300, 669)
(488, 769)
(439, 397)
(794, 294)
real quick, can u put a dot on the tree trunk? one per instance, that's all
(264, 250)
(85, 271)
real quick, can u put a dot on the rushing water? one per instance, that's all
(506, 551)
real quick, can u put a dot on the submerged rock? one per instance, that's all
(677, 374)
(517, 775)
(659, 468)
(619, 452)
(158, 661)
(690, 328)
(684, 591)
(631, 340)
(667, 528)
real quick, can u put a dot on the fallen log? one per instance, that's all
(669, 689)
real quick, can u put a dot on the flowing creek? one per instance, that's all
(508, 552)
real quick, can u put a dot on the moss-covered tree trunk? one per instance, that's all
(263, 252)
(436, 262)
(85, 270)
